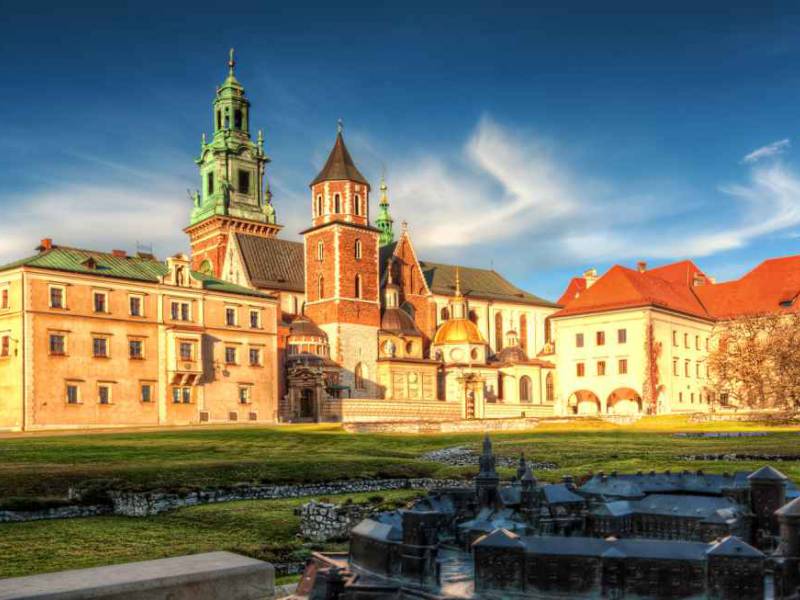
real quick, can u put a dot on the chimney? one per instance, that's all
(119, 253)
(45, 244)
(590, 276)
(641, 266)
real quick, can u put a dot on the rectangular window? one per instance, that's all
(182, 395)
(255, 357)
(244, 394)
(691, 397)
(581, 369)
(600, 338)
(697, 342)
(136, 306)
(57, 345)
(56, 297)
(244, 182)
(5, 345)
(104, 394)
(146, 392)
(100, 347)
(230, 356)
(72, 394)
(100, 302)
(209, 183)
(255, 318)
(675, 366)
(4, 299)
(686, 368)
(136, 348)
(623, 366)
(680, 396)
(601, 367)
(186, 350)
(230, 317)
(622, 336)
(697, 369)
(674, 338)
(179, 311)
(685, 340)
(579, 340)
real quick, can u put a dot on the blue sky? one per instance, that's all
(538, 139)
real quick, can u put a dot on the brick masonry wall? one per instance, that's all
(361, 410)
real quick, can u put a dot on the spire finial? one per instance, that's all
(458, 292)
(339, 125)
(231, 61)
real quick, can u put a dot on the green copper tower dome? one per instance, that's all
(232, 166)
(384, 220)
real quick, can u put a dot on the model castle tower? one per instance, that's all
(234, 193)
(341, 259)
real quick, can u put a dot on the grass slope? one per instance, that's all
(264, 529)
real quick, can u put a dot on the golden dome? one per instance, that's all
(458, 331)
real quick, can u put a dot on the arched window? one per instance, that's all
(525, 389)
(206, 268)
(219, 119)
(237, 119)
(358, 249)
(473, 316)
(549, 389)
(337, 203)
(498, 332)
(320, 287)
(444, 314)
(523, 333)
(359, 373)
(319, 205)
(358, 286)
(320, 250)
(357, 204)
(409, 348)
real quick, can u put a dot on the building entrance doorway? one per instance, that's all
(307, 404)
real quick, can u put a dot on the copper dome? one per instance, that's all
(396, 320)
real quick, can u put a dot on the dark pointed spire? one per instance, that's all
(340, 165)
(521, 467)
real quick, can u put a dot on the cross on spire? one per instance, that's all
(339, 125)
(231, 61)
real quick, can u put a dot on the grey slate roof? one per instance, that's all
(733, 546)
(767, 473)
(629, 548)
(636, 486)
(273, 263)
(790, 509)
(559, 493)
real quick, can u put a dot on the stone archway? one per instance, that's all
(584, 402)
(624, 401)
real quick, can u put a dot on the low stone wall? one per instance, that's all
(470, 425)
(504, 410)
(62, 512)
(143, 504)
(325, 521)
(348, 410)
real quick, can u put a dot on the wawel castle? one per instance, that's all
(349, 324)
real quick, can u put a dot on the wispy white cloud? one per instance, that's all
(773, 149)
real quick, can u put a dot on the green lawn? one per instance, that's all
(264, 529)
(47, 466)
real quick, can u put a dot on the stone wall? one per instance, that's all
(350, 410)
(468, 425)
(325, 521)
(61, 512)
(143, 504)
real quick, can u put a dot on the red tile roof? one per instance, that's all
(574, 289)
(772, 286)
(774, 282)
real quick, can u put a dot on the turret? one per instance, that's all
(767, 494)
(384, 221)
(487, 481)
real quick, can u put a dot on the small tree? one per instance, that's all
(756, 360)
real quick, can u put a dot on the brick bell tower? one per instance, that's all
(234, 195)
(341, 266)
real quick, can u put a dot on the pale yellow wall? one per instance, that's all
(636, 323)
(218, 389)
(511, 312)
(407, 380)
(11, 367)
